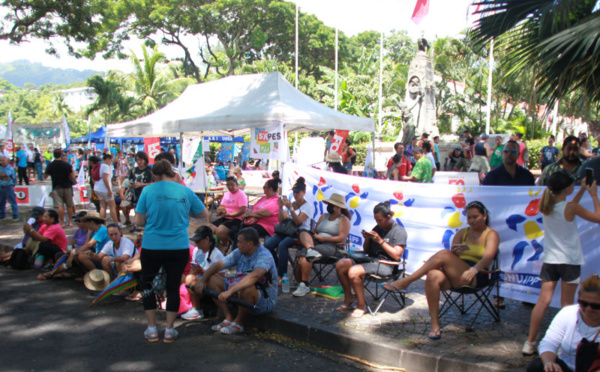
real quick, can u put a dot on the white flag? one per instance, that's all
(369, 170)
(67, 132)
(107, 141)
(80, 179)
(9, 127)
(199, 182)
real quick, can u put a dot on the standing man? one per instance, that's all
(436, 152)
(255, 282)
(7, 189)
(548, 154)
(22, 165)
(405, 167)
(523, 152)
(496, 149)
(328, 143)
(62, 188)
(482, 152)
(569, 161)
(509, 173)
(423, 170)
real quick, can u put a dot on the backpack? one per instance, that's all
(20, 259)
(96, 172)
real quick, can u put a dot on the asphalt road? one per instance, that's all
(48, 326)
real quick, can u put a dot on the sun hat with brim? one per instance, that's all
(96, 280)
(79, 215)
(334, 157)
(93, 216)
(337, 200)
(37, 212)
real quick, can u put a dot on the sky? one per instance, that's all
(445, 18)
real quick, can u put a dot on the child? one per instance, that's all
(563, 255)
(204, 256)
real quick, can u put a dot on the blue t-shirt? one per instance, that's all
(549, 155)
(261, 258)
(22, 158)
(101, 236)
(167, 206)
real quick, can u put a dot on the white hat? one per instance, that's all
(96, 280)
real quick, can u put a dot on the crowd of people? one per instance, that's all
(99, 252)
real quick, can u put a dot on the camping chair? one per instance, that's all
(380, 295)
(481, 297)
(323, 266)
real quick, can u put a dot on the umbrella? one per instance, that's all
(232, 300)
(121, 283)
(58, 263)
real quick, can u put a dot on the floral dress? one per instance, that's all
(122, 168)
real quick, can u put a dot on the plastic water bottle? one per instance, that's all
(351, 248)
(285, 284)
(38, 262)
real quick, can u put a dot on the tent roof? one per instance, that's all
(97, 136)
(233, 105)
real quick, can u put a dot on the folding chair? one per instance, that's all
(380, 295)
(455, 297)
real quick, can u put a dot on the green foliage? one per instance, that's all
(361, 153)
(535, 147)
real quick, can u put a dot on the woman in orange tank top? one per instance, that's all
(473, 249)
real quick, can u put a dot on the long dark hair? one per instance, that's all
(557, 183)
(205, 232)
(481, 208)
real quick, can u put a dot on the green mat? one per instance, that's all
(329, 291)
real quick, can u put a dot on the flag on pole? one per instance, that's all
(9, 145)
(421, 10)
(89, 135)
(80, 178)
(67, 132)
(106, 141)
(369, 170)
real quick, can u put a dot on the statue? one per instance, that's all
(418, 109)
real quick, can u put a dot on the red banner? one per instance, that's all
(22, 195)
(83, 195)
(152, 148)
(8, 144)
(338, 141)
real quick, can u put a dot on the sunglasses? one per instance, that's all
(514, 151)
(585, 304)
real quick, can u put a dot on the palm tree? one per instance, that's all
(107, 93)
(558, 37)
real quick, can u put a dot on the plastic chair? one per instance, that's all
(481, 297)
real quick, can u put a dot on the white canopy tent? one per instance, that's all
(233, 105)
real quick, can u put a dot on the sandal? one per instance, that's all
(135, 297)
(43, 277)
(357, 313)
(232, 329)
(499, 302)
(345, 307)
(223, 324)
(436, 335)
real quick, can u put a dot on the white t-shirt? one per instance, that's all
(126, 248)
(99, 186)
(199, 258)
(308, 209)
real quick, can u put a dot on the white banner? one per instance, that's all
(432, 213)
(269, 142)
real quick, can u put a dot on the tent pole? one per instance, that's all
(373, 141)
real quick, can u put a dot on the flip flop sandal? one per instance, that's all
(43, 277)
(343, 307)
(135, 298)
(436, 335)
(357, 313)
(232, 329)
(223, 324)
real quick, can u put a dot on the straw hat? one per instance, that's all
(337, 200)
(96, 280)
(93, 216)
(334, 157)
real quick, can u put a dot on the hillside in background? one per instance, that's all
(22, 71)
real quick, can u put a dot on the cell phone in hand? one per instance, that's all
(589, 176)
(195, 265)
(461, 247)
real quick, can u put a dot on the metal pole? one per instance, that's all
(296, 67)
(489, 97)
(380, 87)
(336, 71)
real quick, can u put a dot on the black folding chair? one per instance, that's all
(325, 265)
(481, 298)
(380, 295)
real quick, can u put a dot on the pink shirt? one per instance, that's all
(56, 235)
(233, 202)
(272, 205)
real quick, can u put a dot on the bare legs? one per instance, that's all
(537, 315)
(303, 269)
(249, 294)
(351, 277)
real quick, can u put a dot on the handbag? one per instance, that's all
(287, 228)
(159, 283)
(250, 221)
(587, 357)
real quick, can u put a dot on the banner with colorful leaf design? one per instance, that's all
(432, 213)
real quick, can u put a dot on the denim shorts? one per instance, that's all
(262, 306)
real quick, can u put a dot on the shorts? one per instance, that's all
(567, 273)
(103, 195)
(259, 229)
(262, 306)
(374, 267)
(62, 196)
(483, 279)
(232, 224)
(327, 250)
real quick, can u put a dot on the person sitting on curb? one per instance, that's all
(332, 229)
(87, 255)
(254, 281)
(37, 214)
(386, 242)
(51, 237)
(204, 256)
(117, 251)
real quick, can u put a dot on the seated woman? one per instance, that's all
(204, 256)
(37, 214)
(300, 213)
(86, 256)
(51, 237)
(453, 158)
(386, 242)
(237, 173)
(568, 328)
(332, 229)
(230, 212)
(116, 252)
(473, 249)
(265, 212)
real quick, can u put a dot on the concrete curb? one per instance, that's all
(372, 348)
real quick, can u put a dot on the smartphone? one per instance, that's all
(589, 176)
(195, 265)
(462, 246)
